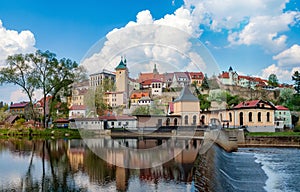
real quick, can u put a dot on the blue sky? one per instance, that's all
(255, 37)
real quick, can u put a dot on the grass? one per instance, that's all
(42, 133)
(271, 134)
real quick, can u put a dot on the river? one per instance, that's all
(69, 165)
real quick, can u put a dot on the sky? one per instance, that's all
(255, 37)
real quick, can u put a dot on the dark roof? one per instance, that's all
(186, 95)
(121, 65)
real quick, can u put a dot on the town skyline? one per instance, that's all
(235, 36)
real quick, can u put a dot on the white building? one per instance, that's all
(283, 117)
(156, 87)
(104, 122)
(77, 111)
(96, 79)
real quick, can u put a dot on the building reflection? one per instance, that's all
(122, 152)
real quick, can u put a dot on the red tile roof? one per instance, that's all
(280, 107)
(139, 95)
(78, 107)
(196, 75)
(19, 105)
(224, 75)
(247, 104)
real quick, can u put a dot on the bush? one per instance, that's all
(297, 128)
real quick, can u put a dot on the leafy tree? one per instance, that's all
(51, 75)
(94, 99)
(286, 97)
(19, 72)
(273, 80)
(233, 100)
(296, 79)
(142, 110)
(205, 84)
(204, 102)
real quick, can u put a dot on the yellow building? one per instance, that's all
(188, 107)
(255, 116)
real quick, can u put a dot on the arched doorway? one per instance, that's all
(202, 120)
(241, 118)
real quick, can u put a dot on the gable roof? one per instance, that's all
(280, 107)
(138, 95)
(252, 104)
(186, 95)
(196, 75)
(19, 105)
(78, 107)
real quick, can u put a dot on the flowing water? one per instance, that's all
(69, 165)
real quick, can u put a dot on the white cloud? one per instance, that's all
(289, 57)
(12, 42)
(18, 95)
(283, 75)
(265, 31)
(165, 41)
(258, 22)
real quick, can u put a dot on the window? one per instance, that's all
(186, 120)
(168, 122)
(259, 117)
(230, 117)
(194, 119)
(250, 117)
(119, 123)
(268, 116)
(221, 117)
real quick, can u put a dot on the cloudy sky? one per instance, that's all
(255, 37)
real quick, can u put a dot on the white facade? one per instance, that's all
(145, 101)
(156, 88)
(284, 116)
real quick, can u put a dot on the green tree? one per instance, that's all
(142, 110)
(204, 102)
(233, 100)
(205, 84)
(296, 79)
(51, 75)
(286, 97)
(19, 72)
(273, 80)
(94, 99)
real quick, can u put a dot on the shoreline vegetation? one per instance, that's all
(256, 139)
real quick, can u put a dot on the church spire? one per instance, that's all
(155, 71)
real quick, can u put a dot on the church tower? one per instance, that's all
(122, 78)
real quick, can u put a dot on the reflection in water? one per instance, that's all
(69, 165)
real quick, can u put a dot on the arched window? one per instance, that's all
(168, 122)
(259, 117)
(202, 119)
(186, 120)
(175, 122)
(230, 117)
(250, 117)
(268, 116)
(194, 120)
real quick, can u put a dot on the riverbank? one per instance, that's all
(277, 139)
(40, 133)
